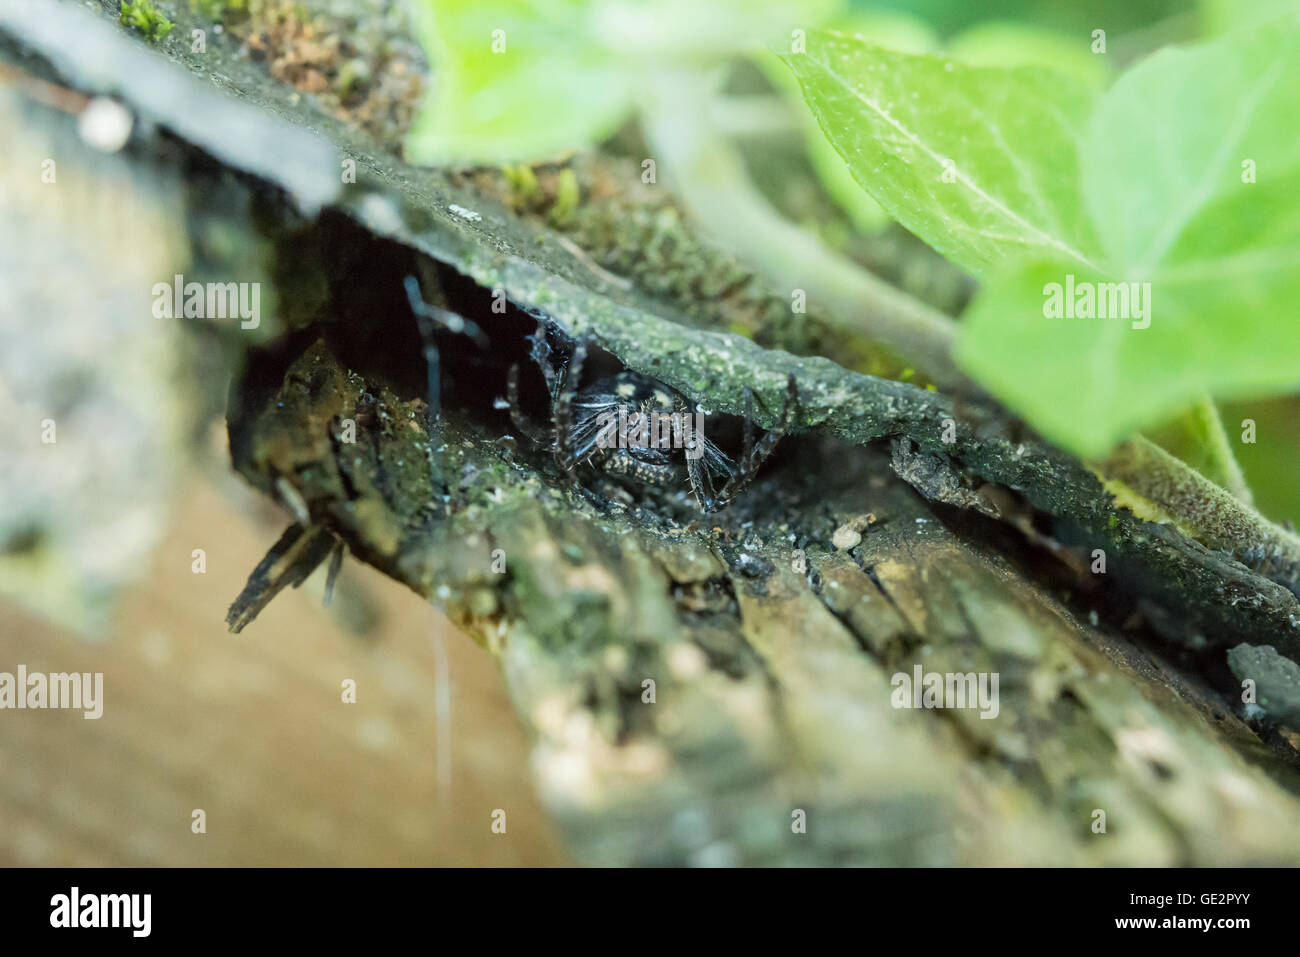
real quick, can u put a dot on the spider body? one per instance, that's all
(638, 430)
(636, 424)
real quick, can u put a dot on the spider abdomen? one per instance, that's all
(622, 463)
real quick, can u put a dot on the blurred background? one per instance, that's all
(251, 728)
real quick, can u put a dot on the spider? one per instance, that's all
(629, 426)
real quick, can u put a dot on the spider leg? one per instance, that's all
(536, 435)
(562, 407)
(717, 460)
(703, 460)
(749, 428)
(424, 320)
(594, 434)
(702, 485)
(540, 352)
(757, 454)
(713, 463)
(429, 313)
(331, 576)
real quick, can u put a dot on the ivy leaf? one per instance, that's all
(526, 80)
(1149, 184)
(515, 80)
(982, 164)
(1166, 146)
(1222, 16)
(893, 30)
(1169, 148)
(1004, 44)
(1007, 44)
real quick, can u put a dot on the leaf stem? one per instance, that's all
(1201, 508)
(1205, 427)
(711, 179)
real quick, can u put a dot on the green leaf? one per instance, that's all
(1166, 146)
(1163, 172)
(1221, 16)
(513, 81)
(1146, 185)
(1117, 16)
(1021, 44)
(893, 30)
(982, 164)
(1008, 44)
(524, 80)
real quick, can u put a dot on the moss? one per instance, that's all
(641, 234)
(217, 10)
(1150, 482)
(524, 188)
(354, 76)
(145, 17)
(567, 197)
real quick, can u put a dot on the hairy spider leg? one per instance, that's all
(426, 315)
(451, 321)
(590, 435)
(702, 469)
(536, 436)
(433, 380)
(561, 409)
(331, 576)
(540, 352)
(756, 454)
(701, 485)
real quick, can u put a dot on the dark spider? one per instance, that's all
(617, 425)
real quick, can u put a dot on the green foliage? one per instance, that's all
(896, 31)
(1221, 16)
(1005, 156)
(1024, 176)
(567, 196)
(1001, 44)
(217, 10)
(1117, 16)
(524, 80)
(1021, 44)
(979, 163)
(145, 17)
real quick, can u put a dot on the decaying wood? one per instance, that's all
(771, 654)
